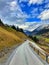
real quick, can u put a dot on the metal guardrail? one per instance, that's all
(40, 51)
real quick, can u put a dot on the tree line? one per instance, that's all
(34, 38)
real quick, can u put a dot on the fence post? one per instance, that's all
(38, 52)
(46, 58)
(34, 48)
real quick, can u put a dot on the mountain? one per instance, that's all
(27, 32)
(42, 37)
(44, 30)
(37, 28)
(32, 28)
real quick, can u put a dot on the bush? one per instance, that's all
(35, 39)
(13, 27)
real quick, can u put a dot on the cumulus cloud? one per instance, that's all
(44, 15)
(12, 11)
(30, 26)
(31, 1)
(35, 1)
(16, 10)
(22, 26)
(22, 1)
(13, 5)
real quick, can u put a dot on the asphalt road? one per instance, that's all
(24, 55)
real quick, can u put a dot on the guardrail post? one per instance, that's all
(38, 52)
(34, 48)
(46, 58)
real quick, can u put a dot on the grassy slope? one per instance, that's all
(9, 38)
(43, 42)
(17, 33)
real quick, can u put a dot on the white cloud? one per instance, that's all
(22, 26)
(13, 14)
(30, 26)
(13, 4)
(16, 10)
(22, 1)
(35, 1)
(31, 1)
(44, 15)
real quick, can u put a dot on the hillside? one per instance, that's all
(43, 38)
(9, 39)
(43, 30)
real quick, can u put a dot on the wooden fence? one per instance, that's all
(40, 52)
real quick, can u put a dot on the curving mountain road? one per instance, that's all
(24, 55)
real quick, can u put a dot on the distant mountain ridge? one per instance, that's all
(41, 27)
(43, 30)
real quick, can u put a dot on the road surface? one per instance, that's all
(24, 55)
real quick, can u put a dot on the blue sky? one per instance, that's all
(24, 12)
